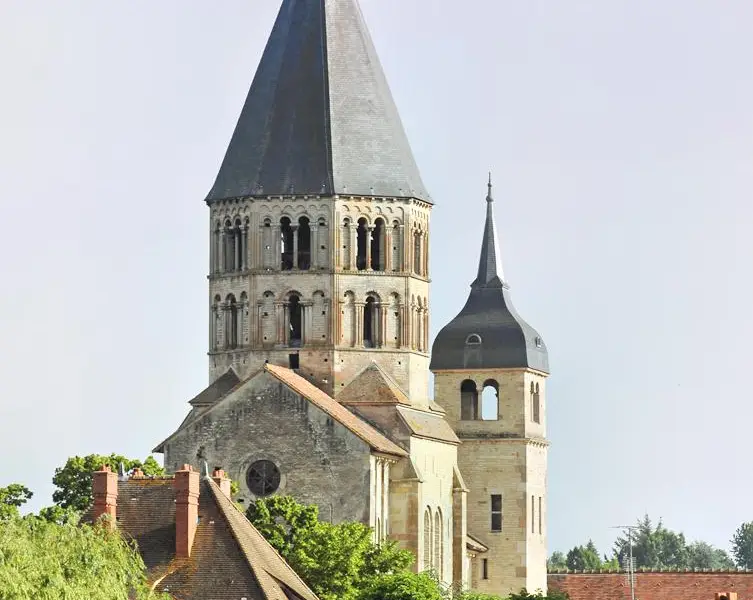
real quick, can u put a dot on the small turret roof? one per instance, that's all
(489, 333)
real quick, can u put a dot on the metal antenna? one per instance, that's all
(630, 566)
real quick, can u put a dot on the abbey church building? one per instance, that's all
(318, 306)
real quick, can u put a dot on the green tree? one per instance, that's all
(12, 498)
(584, 558)
(74, 480)
(42, 560)
(557, 561)
(336, 561)
(742, 546)
(552, 595)
(654, 547)
(402, 586)
(702, 555)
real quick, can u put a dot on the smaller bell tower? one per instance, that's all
(490, 369)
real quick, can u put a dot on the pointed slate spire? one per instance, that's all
(319, 118)
(490, 263)
(488, 333)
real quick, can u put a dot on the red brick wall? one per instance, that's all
(653, 586)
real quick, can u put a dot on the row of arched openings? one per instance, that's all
(228, 321)
(433, 541)
(230, 246)
(475, 406)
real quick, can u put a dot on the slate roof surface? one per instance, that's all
(319, 117)
(219, 388)
(334, 409)
(230, 559)
(507, 341)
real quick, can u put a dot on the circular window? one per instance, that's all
(263, 478)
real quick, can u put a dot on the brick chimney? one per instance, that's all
(105, 492)
(186, 487)
(222, 480)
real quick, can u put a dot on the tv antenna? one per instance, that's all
(629, 564)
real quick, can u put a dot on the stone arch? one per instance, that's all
(302, 243)
(378, 244)
(371, 321)
(438, 543)
(294, 319)
(232, 313)
(490, 401)
(469, 400)
(286, 242)
(362, 243)
(427, 539)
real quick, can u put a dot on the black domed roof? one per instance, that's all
(489, 333)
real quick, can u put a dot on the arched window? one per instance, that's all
(438, 543)
(473, 340)
(490, 401)
(231, 323)
(304, 244)
(377, 246)
(216, 323)
(228, 247)
(468, 401)
(362, 241)
(427, 540)
(286, 243)
(370, 323)
(536, 412)
(295, 321)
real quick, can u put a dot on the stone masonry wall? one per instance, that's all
(320, 461)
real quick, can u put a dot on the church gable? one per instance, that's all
(275, 435)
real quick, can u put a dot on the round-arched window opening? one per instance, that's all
(473, 340)
(263, 478)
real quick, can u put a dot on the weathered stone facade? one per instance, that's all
(285, 281)
(503, 455)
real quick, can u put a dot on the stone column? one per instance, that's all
(419, 330)
(314, 246)
(276, 247)
(383, 326)
(382, 246)
(403, 325)
(213, 329)
(369, 237)
(307, 314)
(353, 249)
(295, 245)
(426, 254)
(221, 254)
(337, 335)
(261, 260)
(401, 249)
(426, 328)
(358, 334)
(244, 248)
(385, 499)
(387, 252)
(280, 322)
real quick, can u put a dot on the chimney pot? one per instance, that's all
(222, 480)
(186, 487)
(105, 492)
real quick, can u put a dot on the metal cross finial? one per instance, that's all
(489, 187)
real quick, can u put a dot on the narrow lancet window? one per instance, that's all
(468, 401)
(304, 244)
(295, 322)
(362, 243)
(286, 244)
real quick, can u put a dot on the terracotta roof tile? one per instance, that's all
(334, 409)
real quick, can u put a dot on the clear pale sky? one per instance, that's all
(620, 135)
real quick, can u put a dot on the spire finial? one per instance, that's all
(489, 197)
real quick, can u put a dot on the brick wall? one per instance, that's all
(653, 586)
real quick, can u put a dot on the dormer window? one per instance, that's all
(538, 342)
(473, 340)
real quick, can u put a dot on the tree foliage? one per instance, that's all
(336, 561)
(74, 480)
(12, 498)
(742, 546)
(403, 586)
(42, 560)
(584, 558)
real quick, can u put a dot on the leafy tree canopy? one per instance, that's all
(12, 498)
(339, 561)
(74, 480)
(582, 558)
(42, 560)
(742, 546)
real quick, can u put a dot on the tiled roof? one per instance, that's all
(428, 425)
(334, 409)
(229, 559)
(474, 544)
(653, 586)
(372, 386)
(272, 572)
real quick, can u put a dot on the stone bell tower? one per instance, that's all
(490, 369)
(319, 220)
